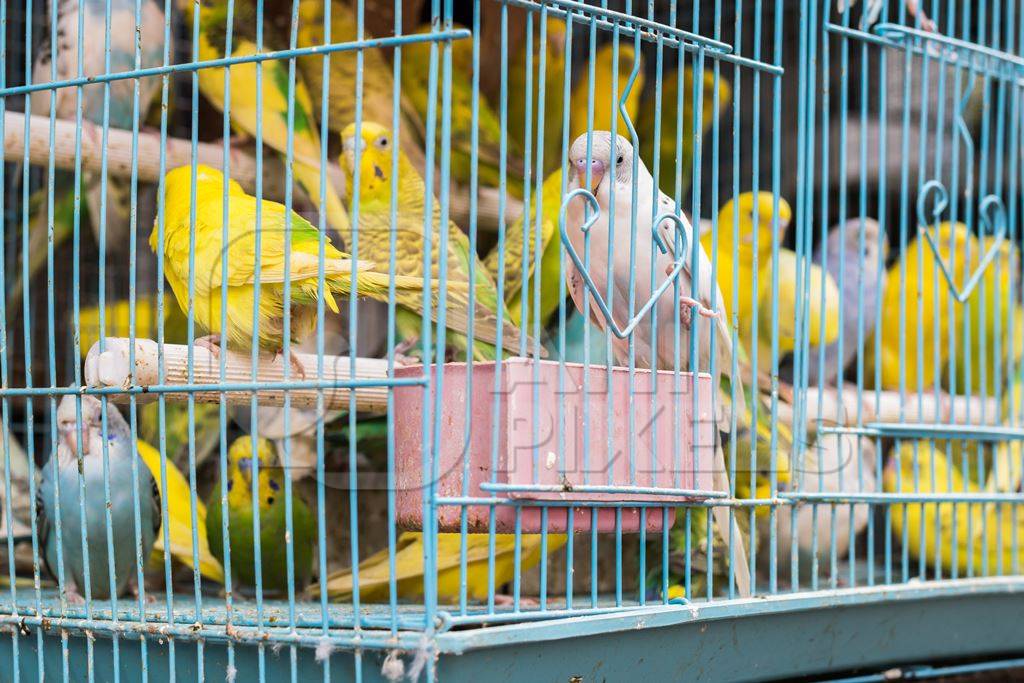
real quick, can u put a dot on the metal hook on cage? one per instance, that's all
(682, 242)
(936, 188)
(992, 212)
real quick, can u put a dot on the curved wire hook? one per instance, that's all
(682, 241)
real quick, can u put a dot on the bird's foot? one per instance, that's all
(294, 361)
(236, 139)
(504, 600)
(72, 595)
(211, 343)
(150, 598)
(406, 346)
(401, 359)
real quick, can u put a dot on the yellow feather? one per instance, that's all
(374, 574)
(179, 524)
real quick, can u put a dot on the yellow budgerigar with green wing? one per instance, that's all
(240, 252)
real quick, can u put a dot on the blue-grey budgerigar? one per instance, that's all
(849, 270)
(122, 508)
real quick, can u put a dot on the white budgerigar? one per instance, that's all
(615, 171)
(702, 312)
(122, 508)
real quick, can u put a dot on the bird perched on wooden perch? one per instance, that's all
(373, 149)
(248, 219)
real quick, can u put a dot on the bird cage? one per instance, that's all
(320, 354)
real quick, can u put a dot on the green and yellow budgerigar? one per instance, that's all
(606, 99)
(273, 521)
(275, 101)
(378, 76)
(374, 571)
(554, 91)
(375, 154)
(240, 251)
(416, 83)
(668, 152)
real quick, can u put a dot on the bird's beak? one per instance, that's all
(596, 173)
(245, 467)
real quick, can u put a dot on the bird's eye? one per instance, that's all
(382, 142)
(619, 160)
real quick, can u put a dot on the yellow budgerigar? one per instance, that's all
(917, 291)
(416, 84)
(178, 524)
(374, 571)
(274, 97)
(739, 242)
(606, 93)
(953, 535)
(240, 252)
(374, 157)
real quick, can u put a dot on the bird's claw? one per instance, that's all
(699, 307)
(72, 596)
(294, 361)
(211, 343)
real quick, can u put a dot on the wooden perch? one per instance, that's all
(113, 369)
(179, 153)
(840, 408)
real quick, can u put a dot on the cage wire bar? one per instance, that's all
(493, 420)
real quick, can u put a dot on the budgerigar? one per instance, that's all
(375, 155)
(851, 268)
(58, 60)
(273, 521)
(63, 472)
(378, 76)
(415, 84)
(374, 571)
(744, 232)
(275, 101)
(835, 463)
(304, 264)
(606, 94)
(953, 535)
(613, 170)
(918, 291)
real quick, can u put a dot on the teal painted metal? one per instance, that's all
(871, 460)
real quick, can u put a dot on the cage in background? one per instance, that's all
(530, 438)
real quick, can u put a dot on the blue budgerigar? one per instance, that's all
(849, 271)
(58, 60)
(122, 507)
